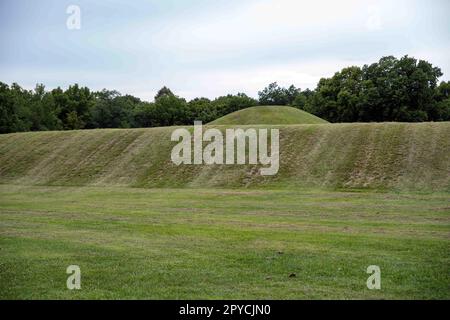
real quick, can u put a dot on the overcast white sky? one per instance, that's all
(211, 48)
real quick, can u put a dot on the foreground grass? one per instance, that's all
(176, 243)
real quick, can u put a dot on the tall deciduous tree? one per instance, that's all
(163, 92)
(390, 90)
(273, 94)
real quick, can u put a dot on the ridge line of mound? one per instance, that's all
(268, 115)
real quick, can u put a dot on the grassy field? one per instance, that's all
(268, 115)
(211, 243)
(111, 201)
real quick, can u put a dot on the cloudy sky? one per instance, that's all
(210, 48)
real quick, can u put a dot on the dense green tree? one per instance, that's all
(112, 110)
(206, 110)
(291, 94)
(202, 109)
(75, 111)
(72, 121)
(441, 112)
(390, 90)
(144, 115)
(402, 89)
(337, 98)
(231, 103)
(10, 119)
(302, 98)
(170, 110)
(43, 112)
(163, 92)
(273, 94)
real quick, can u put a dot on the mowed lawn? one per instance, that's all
(213, 243)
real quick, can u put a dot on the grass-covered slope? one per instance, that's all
(387, 155)
(268, 115)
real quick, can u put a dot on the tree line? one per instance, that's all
(80, 108)
(389, 90)
(404, 90)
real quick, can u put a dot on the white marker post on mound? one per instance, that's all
(236, 139)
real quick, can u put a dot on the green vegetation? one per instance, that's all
(268, 115)
(390, 90)
(346, 196)
(226, 231)
(80, 108)
(402, 90)
(398, 156)
(198, 243)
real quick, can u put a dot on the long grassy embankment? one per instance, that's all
(398, 156)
